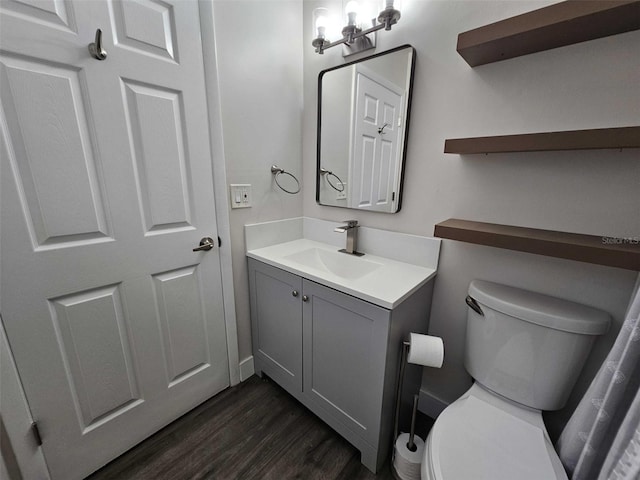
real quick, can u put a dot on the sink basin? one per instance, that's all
(337, 263)
(378, 280)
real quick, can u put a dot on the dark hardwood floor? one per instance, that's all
(252, 431)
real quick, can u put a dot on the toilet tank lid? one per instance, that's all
(540, 309)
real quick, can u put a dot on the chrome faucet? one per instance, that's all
(352, 237)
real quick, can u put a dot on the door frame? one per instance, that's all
(23, 443)
(207, 32)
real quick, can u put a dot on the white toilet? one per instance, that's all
(525, 351)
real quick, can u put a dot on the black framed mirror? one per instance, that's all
(363, 128)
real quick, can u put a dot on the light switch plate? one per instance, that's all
(240, 195)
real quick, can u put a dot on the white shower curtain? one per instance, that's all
(602, 438)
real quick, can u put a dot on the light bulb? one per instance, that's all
(321, 26)
(352, 10)
(320, 21)
(391, 4)
(352, 7)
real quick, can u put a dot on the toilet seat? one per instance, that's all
(483, 437)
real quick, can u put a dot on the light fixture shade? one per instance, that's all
(320, 22)
(352, 10)
(368, 13)
(390, 4)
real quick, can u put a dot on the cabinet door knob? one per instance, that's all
(294, 293)
(305, 298)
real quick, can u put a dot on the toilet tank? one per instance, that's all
(528, 347)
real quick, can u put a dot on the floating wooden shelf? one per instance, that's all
(601, 250)
(554, 26)
(624, 137)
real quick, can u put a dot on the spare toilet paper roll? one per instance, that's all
(405, 462)
(426, 350)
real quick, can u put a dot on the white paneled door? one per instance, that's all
(116, 324)
(375, 163)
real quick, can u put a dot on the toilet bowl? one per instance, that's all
(481, 436)
(525, 351)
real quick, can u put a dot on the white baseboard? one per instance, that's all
(246, 368)
(430, 405)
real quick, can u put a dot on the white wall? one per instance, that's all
(588, 85)
(260, 73)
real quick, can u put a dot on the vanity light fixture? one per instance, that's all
(357, 36)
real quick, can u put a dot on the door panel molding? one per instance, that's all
(47, 119)
(184, 331)
(157, 39)
(53, 13)
(164, 199)
(90, 326)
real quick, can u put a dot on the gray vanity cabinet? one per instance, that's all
(335, 353)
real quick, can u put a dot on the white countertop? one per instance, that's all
(387, 286)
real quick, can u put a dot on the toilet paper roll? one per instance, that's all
(426, 350)
(405, 462)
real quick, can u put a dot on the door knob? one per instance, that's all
(206, 243)
(294, 293)
(305, 298)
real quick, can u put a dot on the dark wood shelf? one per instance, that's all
(601, 250)
(601, 138)
(554, 26)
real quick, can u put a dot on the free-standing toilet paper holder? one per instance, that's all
(400, 383)
(404, 468)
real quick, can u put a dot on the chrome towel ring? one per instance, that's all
(277, 171)
(327, 175)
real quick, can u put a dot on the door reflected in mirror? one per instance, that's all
(363, 125)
